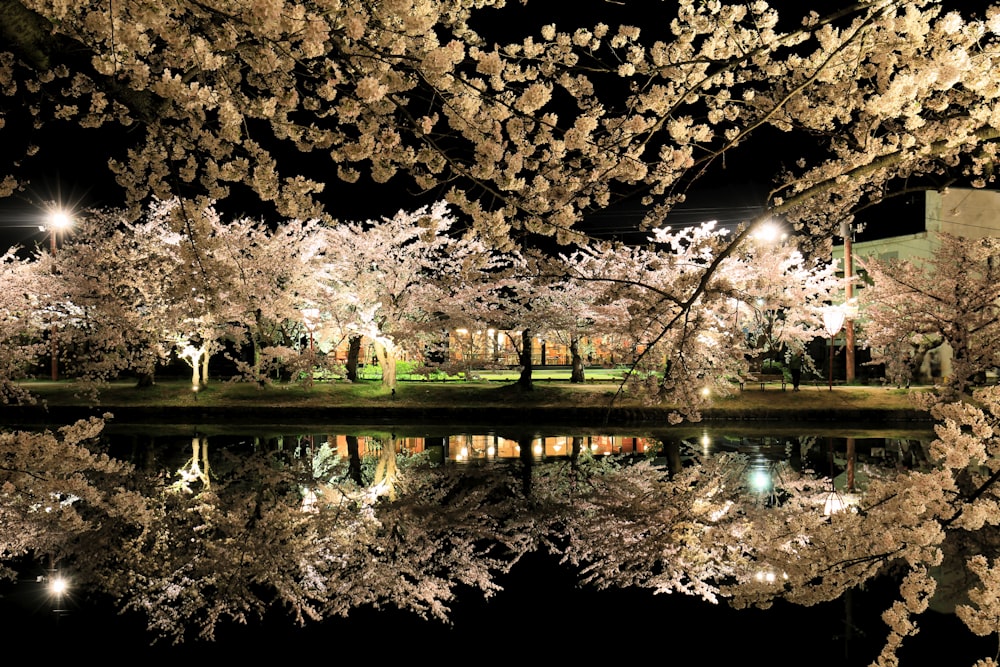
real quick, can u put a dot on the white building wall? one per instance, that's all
(974, 214)
(957, 211)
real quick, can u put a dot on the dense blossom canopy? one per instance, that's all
(520, 127)
(520, 124)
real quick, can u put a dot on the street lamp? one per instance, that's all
(833, 319)
(770, 232)
(57, 220)
(310, 317)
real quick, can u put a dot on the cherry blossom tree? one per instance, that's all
(27, 285)
(272, 280)
(912, 306)
(200, 314)
(127, 294)
(394, 275)
(113, 294)
(529, 125)
(694, 307)
(56, 495)
(778, 296)
(573, 311)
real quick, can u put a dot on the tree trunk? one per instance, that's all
(353, 352)
(197, 358)
(525, 382)
(387, 360)
(204, 364)
(196, 372)
(577, 376)
(255, 336)
(386, 472)
(255, 350)
(354, 457)
(526, 457)
(145, 380)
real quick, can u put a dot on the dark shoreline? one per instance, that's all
(496, 415)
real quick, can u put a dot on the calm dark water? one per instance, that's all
(542, 613)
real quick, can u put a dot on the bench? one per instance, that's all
(764, 378)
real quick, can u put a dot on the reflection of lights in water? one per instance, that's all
(760, 480)
(837, 502)
(309, 501)
(769, 576)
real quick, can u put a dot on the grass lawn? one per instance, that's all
(548, 392)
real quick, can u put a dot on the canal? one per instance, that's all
(466, 499)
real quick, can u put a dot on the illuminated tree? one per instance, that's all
(57, 495)
(27, 288)
(693, 310)
(912, 306)
(392, 277)
(529, 125)
(272, 280)
(777, 297)
(127, 294)
(114, 297)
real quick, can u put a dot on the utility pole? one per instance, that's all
(57, 220)
(846, 231)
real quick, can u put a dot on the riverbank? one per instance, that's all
(455, 402)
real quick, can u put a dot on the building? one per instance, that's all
(965, 212)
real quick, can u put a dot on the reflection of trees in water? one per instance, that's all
(321, 531)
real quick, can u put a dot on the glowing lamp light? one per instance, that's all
(833, 320)
(58, 586)
(836, 502)
(760, 481)
(59, 220)
(770, 232)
